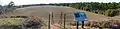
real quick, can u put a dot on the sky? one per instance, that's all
(25, 2)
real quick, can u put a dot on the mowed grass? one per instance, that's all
(11, 21)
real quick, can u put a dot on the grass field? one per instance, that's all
(11, 21)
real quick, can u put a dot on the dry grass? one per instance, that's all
(11, 21)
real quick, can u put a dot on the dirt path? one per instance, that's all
(55, 26)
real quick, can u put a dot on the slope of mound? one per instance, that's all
(96, 17)
(43, 12)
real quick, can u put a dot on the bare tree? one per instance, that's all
(11, 4)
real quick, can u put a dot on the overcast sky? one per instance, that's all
(24, 2)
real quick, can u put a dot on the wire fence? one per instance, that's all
(59, 20)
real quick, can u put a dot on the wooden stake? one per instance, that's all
(64, 20)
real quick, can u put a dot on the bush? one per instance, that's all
(33, 23)
(103, 24)
(101, 12)
(111, 12)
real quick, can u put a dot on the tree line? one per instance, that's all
(108, 9)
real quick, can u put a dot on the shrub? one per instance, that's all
(111, 12)
(32, 23)
(103, 24)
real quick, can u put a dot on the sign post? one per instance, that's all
(77, 24)
(82, 24)
(80, 17)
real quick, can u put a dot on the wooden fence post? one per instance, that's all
(61, 17)
(64, 20)
(49, 21)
